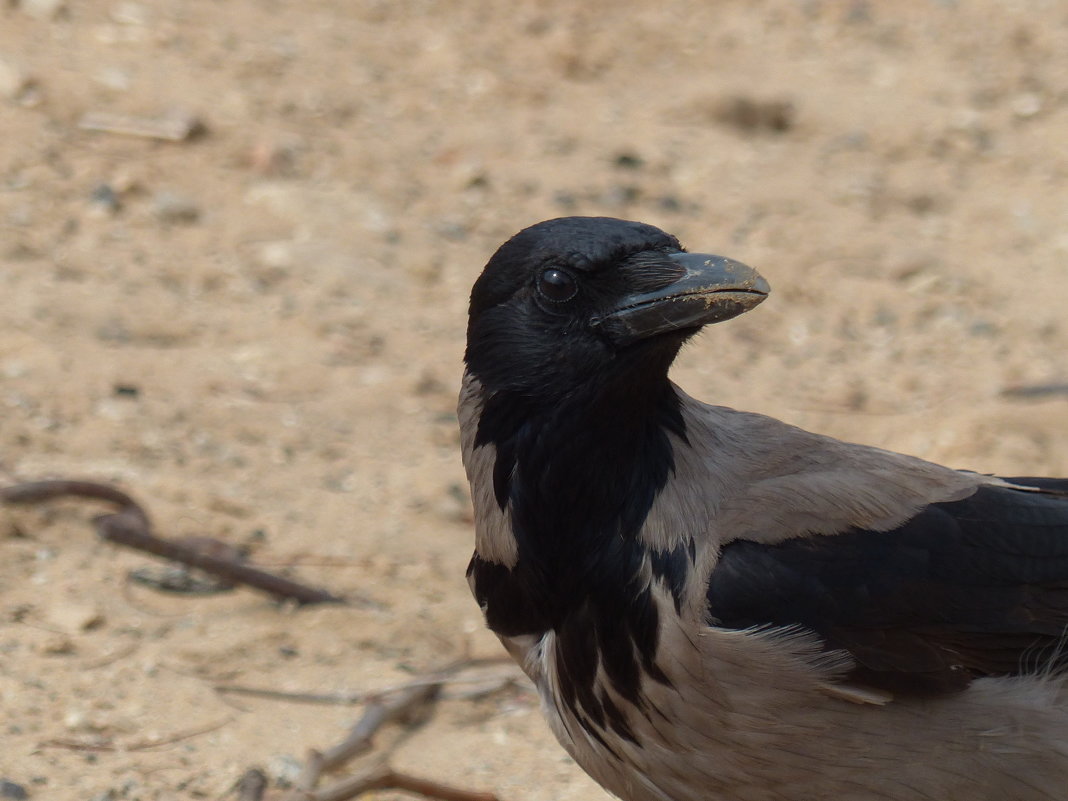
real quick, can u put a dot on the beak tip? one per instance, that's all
(713, 289)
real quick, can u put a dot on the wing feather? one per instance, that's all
(963, 589)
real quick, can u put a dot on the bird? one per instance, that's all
(714, 604)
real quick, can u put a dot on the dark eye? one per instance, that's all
(556, 285)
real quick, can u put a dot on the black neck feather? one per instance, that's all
(580, 470)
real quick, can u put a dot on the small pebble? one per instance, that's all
(277, 255)
(126, 390)
(9, 789)
(776, 115)
(42, 9)
(75, 617)
(253, 784)
(628, 160)
(13, 80)
(113, 78)
(57, 645)
(104, 199)
(271, 157)
(130, 14)
(1026, 105)
(284, 769)
(173, 208)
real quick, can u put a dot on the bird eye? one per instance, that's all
(556, 285)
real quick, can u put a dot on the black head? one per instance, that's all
(565, 299)
(573, 326)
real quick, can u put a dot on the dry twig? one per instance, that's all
(448, 677)
(383, 777)
(130, 526)
(138, 745)
(403, 702)
(174, 126)
(252, 786)
(1032, 391)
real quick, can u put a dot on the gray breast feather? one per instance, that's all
(494, 540)
(747, 715)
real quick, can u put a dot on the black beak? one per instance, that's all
(712, 290)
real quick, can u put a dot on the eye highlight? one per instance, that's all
(556, 285)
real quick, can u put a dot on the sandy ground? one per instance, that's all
(258, 331)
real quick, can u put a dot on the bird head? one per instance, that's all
(570, 423)
(563, 299)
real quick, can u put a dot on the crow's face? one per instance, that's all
(564, 299)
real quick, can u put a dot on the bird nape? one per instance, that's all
(716, 605)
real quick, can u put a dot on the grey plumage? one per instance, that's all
(607, 502)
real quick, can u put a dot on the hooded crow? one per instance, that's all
(717, 605)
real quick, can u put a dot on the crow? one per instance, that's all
(714, 604)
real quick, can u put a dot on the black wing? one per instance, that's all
(977, 587)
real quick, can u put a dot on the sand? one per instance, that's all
(258, 330)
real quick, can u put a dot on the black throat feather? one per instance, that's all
(580, 472)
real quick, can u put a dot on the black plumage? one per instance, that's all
(976, 587)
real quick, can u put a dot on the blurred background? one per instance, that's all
(236, 242)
